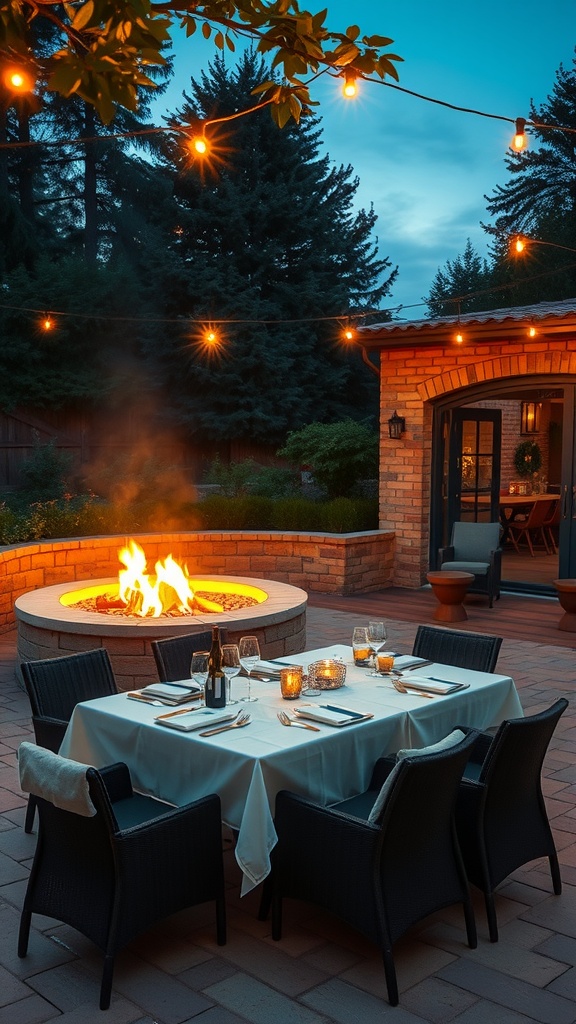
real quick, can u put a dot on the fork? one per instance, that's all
(399, 685)
(284, 719)
(242, 719)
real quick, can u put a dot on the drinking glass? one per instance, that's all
(249, 649)
(360, 645)
(199, 668)
(376, 640)
(230, 666)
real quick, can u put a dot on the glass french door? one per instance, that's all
(471, 468)
(567, 527)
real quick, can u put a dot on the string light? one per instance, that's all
(350, 88)
(522, 244)
(532, 332)
(459, 339)
(47, 323)
(520, 139)
(18, 80)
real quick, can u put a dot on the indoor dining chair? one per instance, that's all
(381, 861)
(476, 651)
(54, 687)
(110, 862)
(501, 816)
(174, 654)
(533, 528)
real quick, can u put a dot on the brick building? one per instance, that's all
(460, 383)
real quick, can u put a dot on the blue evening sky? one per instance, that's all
(426, 168)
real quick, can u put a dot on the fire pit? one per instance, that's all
(62, 619)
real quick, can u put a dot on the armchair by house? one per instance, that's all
(475, 548)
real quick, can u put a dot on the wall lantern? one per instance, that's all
(396, 426)
(529, 417)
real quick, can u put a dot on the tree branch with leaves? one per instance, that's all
(103, 49)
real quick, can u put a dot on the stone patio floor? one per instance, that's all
(321, 972)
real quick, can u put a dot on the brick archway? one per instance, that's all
(524, 364)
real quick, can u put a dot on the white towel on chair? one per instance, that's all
(54, 778)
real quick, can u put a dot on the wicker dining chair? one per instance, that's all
(501, 816)
(114, 870)
(382, 873)
(54, 687)
(174, 654)
(476, 651)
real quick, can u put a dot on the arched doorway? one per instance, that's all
(476, 433)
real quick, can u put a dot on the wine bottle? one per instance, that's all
(215, 689)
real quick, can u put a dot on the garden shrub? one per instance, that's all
(44, 474)
(338, 454)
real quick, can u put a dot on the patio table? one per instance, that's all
(247, 767)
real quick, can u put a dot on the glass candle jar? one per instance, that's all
(291, 682)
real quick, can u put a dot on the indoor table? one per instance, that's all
(248, 766)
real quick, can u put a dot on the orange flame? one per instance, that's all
(168, 590)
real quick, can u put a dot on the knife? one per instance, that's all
(181, 711)
(151, 700)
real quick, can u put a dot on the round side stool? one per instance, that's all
(567, 597)
(450, 589)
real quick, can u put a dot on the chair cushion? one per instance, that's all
(57, 779)
(478, 568)
(379, 803)
(454, 737)
(138, 808)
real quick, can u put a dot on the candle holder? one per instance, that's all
(326, 675)
(291, 682)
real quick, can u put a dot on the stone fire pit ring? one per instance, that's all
(49, 629)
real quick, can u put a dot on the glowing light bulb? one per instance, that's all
(350, 89)
(519, 244)
(459, 338)
(211, 337)
(349, 334)
(200, 146)
(520, 139)
(47, 323)
(532, 332)
(18, 80)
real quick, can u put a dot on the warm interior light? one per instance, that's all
(530, 417)
(350, 89)
(520, 140)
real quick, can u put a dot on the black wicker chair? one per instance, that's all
(501, 816)
(476, 651)
(55, 686)
(174, 654)
(136, 861)
(380, 877)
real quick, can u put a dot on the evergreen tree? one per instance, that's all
(463, 286)
(268, 236)
(539, 200)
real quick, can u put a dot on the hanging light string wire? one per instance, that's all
(202, 124)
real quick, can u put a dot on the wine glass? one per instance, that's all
(376, 640)
(249, 656)
(199, 668)
(230, 666)
(360, 645)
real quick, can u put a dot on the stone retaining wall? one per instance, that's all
(325, 563)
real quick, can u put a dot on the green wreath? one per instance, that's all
(527, 458)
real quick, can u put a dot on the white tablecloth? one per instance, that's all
(247, 767)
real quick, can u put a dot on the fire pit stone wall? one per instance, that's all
(340, 564)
